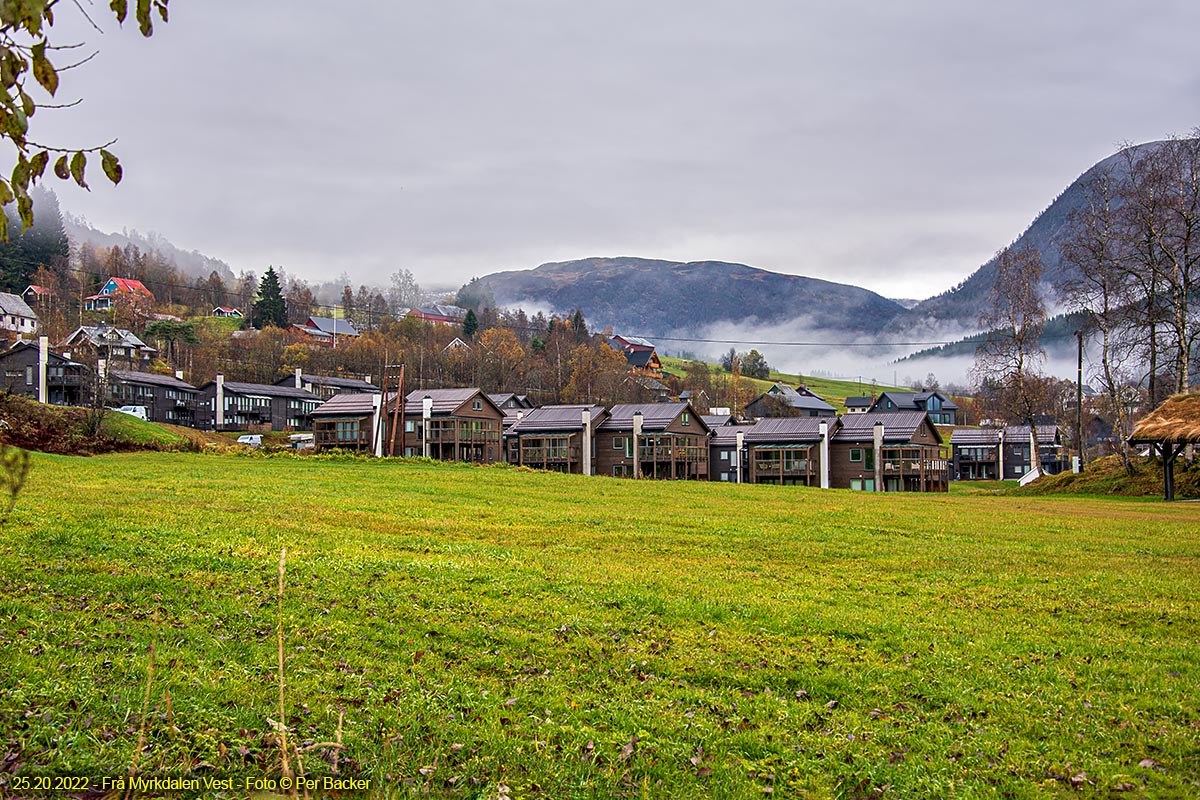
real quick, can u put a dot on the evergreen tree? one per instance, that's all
(269, 308)
(43, 245)
(470, 325)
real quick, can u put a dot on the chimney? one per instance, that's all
(587, 441)
(220, 402)
(43, 361)
(823, 427)
(380, 422)
(1000, 455)
(740, 438)
(178, 374)
(299, 379)
(879, 456)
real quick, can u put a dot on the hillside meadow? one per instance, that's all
(494, 632)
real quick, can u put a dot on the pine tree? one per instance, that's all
(470, 325)
(270, 308)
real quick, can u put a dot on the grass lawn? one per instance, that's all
(477, 629)
(831, 390)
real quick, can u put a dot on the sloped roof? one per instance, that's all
(905, 401)
(264, 390)
(341, 327)
(975, 436)
(1176, 421)
(631, 341)
(715, 421)
(501, 398)
(965, 437)
(92, 333)
(169, 381)
(787, 429)
(655, 416)
(863, 401)
(14, 305)
(329, 380)
(511, 417)
(558, 418)
(898, 426)
(356, 404)
(445, 401)
(639, 358)
(947, 403)
(1045, 433)
(445, 312)
(54, 358)
(726, 435)
(806, 400)
(130, 285)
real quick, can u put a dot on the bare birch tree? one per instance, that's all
(1010, 357)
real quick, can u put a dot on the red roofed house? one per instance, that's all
(440, 315)
(114, 288)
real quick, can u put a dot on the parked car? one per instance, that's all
(251, 439)
(140, 412)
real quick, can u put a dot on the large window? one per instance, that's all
(347, 430)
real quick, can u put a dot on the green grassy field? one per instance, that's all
(482, 629)
(831, 390)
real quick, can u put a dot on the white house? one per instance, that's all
(16, 315)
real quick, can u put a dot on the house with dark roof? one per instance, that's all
(325, 331)
(672, 443)
(115, 288)
(167, 398)
(38, 296)
(557, 438)
(119, 346)
(859, 405)
(723, 452)
(20, 374)
(649, 390)
(462, 425)
(941, 409)
(326, 386)
(16, 315)
(639, 354)
(782, 400)
(355, 421)
(233, 406)
(898, 451)
(509, 401)
(990, 454)
(786, 451)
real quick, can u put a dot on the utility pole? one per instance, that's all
(1079, 400)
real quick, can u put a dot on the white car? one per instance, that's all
(135, 411)
(251, 439)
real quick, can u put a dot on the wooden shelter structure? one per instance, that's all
(1169, 429)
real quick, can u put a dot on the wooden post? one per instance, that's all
(397, 412)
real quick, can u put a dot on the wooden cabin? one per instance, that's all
(673, 444)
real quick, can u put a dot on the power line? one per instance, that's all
(792, 344)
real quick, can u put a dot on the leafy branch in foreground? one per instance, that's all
(26, 49)
(14, 470)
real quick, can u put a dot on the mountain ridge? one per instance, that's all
(658, 296)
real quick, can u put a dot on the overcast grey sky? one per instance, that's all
(891, 145)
